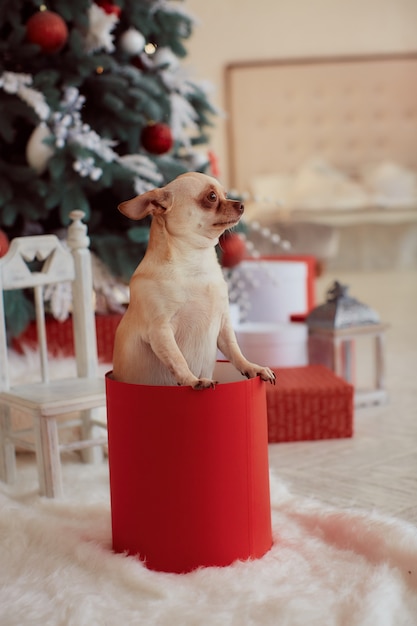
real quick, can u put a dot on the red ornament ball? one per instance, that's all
(48, 30)
(138, 63)
(109, 8)
(4, 243)
(157, 138)
(233, 249)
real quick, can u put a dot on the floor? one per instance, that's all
(377, 468)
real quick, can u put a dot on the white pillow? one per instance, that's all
(271, 188)
(319, 185)
(391, 184)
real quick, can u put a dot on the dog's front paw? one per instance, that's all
(267, 375)
(264, 373)
(204, 383)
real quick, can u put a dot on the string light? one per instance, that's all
(242, 279)
(150, 48)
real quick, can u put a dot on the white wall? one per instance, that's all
(242, 30)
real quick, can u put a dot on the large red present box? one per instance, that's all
(309, 403)
(189, 480)
(60, 336)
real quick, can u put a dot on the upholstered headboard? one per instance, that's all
(352, 111)
(326, 151)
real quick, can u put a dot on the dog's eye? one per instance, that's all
(212, 196)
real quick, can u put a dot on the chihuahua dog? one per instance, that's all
(178, 314)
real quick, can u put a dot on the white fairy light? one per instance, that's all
(241, 280)
(150, 48)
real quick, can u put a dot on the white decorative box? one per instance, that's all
(273, 289)
(275, 345)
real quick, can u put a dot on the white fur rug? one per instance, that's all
(328, 567)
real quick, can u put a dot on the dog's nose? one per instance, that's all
(239, 206)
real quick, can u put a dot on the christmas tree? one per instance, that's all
(95, 108)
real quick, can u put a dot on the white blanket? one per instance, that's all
(327, 566)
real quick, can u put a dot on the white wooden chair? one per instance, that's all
(46, 400)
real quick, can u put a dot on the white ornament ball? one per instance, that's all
(132, 41)
(37, 152)
(165, 56)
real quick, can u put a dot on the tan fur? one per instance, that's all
(178, 313)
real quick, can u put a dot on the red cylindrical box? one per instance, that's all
(189, 476)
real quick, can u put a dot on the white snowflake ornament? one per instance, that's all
(99, 35)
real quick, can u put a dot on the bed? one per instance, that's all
(325, 152)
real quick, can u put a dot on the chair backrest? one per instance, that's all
(59, 264)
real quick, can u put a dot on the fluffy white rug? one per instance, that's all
(328, 567)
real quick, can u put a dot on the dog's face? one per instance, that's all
(193, 205)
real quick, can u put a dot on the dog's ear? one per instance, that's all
(154, 202)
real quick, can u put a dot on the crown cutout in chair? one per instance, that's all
(40, 261)
(35, 265)
(48, 401)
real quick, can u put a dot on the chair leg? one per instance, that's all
(7, 448)
(94, 454)
(48, 457)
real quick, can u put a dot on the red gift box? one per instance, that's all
(60, 337)
(189, 480)
(309, 403)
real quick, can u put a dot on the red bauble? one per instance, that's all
(4, 243)
(108, 7)
(157, 138)
(233, 249)
(138, 63)
(48, 30)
